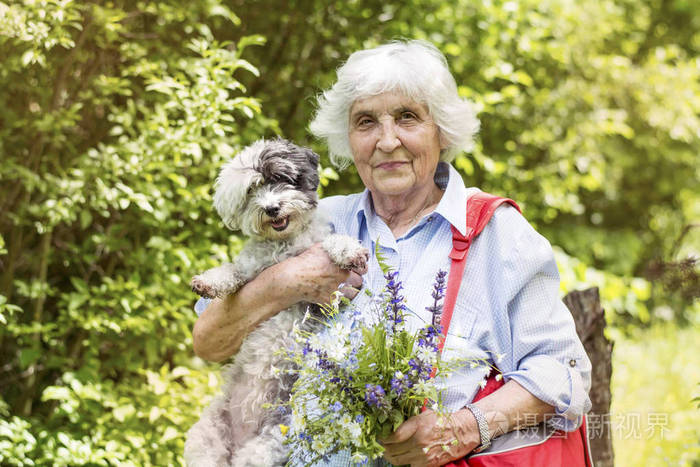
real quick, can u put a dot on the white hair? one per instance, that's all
(416, 69)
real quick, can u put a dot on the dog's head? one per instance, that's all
(268, 190)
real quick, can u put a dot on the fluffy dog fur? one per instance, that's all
(268, 192)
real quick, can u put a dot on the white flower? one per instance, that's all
(298, 421)
(355, 430)
(335, 301)
(482, 383)
(499, 377)
(337, 349)
(423, 387)
(345, 420)
(358, 458)
(318, 445)
(425, 354)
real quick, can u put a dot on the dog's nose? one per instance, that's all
(272, 211)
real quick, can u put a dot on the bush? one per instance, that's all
(113, 121)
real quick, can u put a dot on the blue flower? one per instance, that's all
(400, 382)
(395, 306)
(337, 406)
(375, 396)
(323, 362)
(306, 349)
(420, 370)
(359, 418)
(428, 337)
(438, 294)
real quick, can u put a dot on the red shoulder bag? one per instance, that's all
(540, 445)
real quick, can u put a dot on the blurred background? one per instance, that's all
(116, 115)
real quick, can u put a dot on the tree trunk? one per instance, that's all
(590, 325)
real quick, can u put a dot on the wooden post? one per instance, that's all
(590, 325)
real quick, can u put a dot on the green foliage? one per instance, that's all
(653, 417)
(381, 259)
(115, 118)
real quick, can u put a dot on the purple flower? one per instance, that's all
(306, 349)
(438, 294)
(395, 307)
(420, 370)
(323, 362)
(375, 396)
(400, 382)
(428, 337)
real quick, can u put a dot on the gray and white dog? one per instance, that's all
(269, 193)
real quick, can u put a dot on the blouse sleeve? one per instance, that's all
(544, 355)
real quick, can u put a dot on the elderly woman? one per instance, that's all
(396, 114)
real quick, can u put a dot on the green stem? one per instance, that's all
(38, 315)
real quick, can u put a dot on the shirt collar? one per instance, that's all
(452, 206)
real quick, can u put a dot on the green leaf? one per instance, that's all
(28, 356)
(254, 39)
(381, 259)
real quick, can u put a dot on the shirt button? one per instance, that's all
(572, 362)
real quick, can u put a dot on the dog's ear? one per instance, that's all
(231, 190)
(308, 179)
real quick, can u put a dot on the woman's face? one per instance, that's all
(395, 144)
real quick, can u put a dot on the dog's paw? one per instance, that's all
(347, 253)
(202, 288)
(357, 261)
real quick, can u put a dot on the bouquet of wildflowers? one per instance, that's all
(364, 376)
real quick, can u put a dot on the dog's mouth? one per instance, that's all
(280, 223)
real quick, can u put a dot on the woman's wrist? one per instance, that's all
(291, 279)
(221, 328)
(466, 429)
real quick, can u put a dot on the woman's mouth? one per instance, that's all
(391, 165)
(280, 223)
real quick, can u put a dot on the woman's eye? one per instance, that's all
(407, 115)
(364, 122)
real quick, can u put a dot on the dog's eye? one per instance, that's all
(298, 183)
(284, 178)
(251, 188)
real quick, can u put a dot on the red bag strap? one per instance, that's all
(480, 208)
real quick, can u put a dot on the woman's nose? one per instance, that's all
(388, 139)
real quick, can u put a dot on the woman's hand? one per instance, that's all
(429, 440)
(419, 440)
(317, 277)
